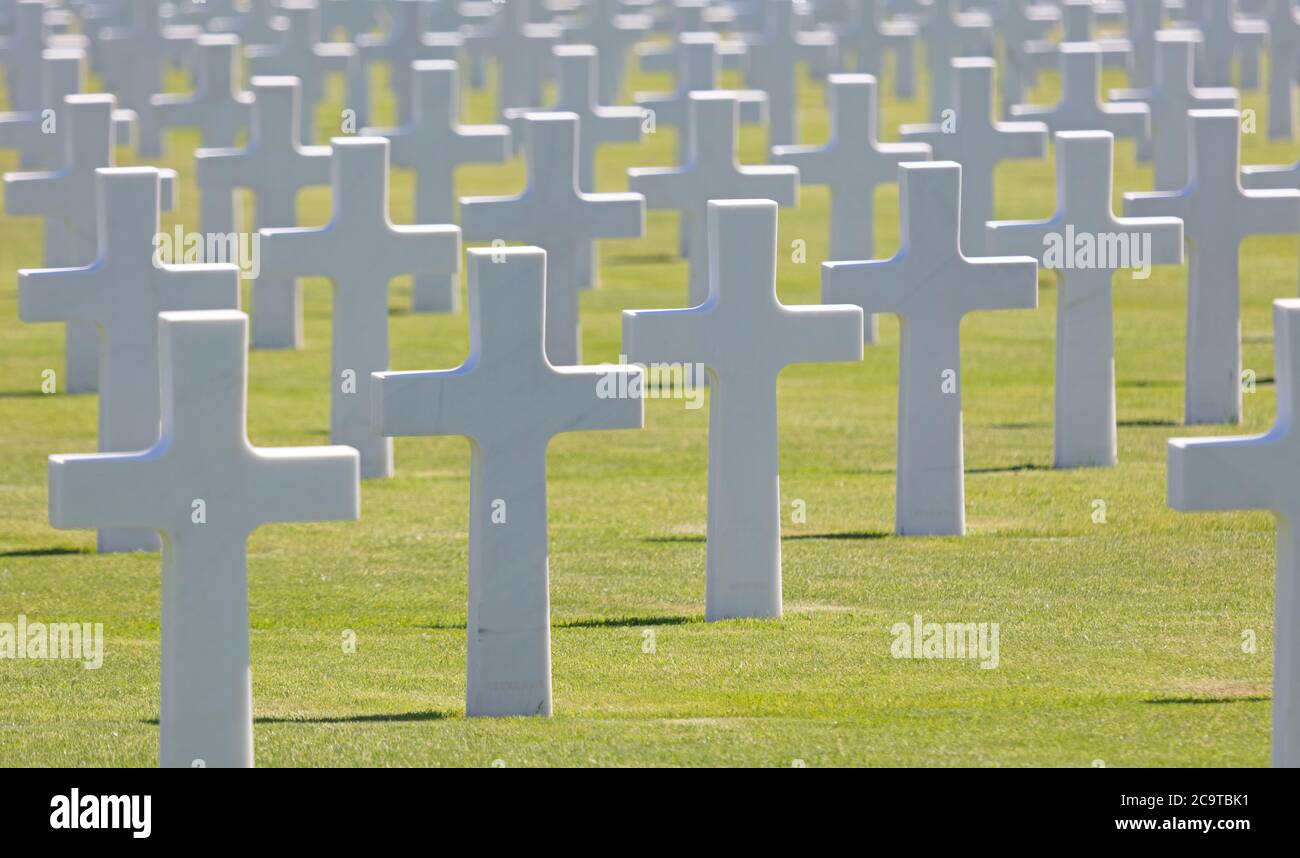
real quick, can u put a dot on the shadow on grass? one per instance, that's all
(625, 622)
(687, 537)
(1147, 424)
(850, 535)
(394, 717)
(43, 552)
(30, 394)
(1202, 701)
(640, 259)
(1020, 426)
(1010, 469)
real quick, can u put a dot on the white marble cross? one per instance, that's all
(948, 34)
(597, 125)
(360, 251)
(1284, 53)
(1227, 35)
(711, 172)
(745, 336)
(509, 400)
(869, 33)
(1079, 24)
(522, 50)
(218, 108)
(1218, 215)
(434, 145)
(852, 164)
(774, 57)
(274, 165)
(300, 53)
(133, 58)
(37, 140)
(205, 488)
(67, 199)
(1255, 473)
(1080, 107)
(1170, 99)
(1145, 20)
(1086, 244)
(698, 68)
(121, 293)
(974, 139)
(612, 33)
(665, 57)
(21, 49)
(405, 43)
(1019, 26)
(931, 285)
(554, 214)
(258, 24)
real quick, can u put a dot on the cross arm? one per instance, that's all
(1021, 237)
(32, 193)
(57, 295)
(824, 333)
(662, 187)
(106, 490)
(298, 251)
(305, 484)
(487, 218)
(586, 403)
(1261, 176)
(1166, 237)
(1000, 283)
(1214, 474)
(1156, 204)
(876, 285)
(667, 336)
(425, 249)
(1269, 212)
(483, 143)
(614, 215)
(424, 402)
(776, 182)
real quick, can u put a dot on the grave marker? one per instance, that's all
(205, 488)
(931, 285)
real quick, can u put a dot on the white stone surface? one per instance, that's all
(974, 139)
(711, 173)
(1217, 215)
(1080, 107)
(931, 285)
(852, 164)
(218, 108)
(509, 400)
(745, 336)
(434, 145)
(1255, 473)
(67, 199)
(275, 166)
(553, 214)
(612, 32)
(1170, 99)
(406, 41)
(300, 53)
(947, 34)
(576, 92)
(133, 59)
(1075, 243)
(121, 294)
(774, 59)
(205, 488)
(1283, 54)
(361, 252)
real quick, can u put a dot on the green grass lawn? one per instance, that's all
(1120, 642)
